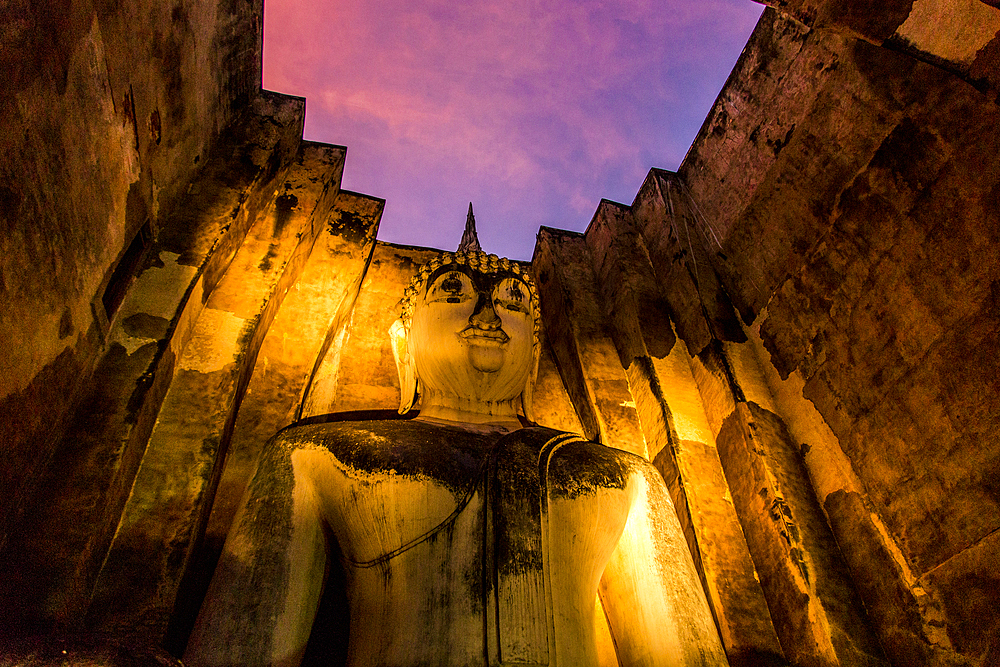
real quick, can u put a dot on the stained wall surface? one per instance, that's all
(854, 224)
(109, 110)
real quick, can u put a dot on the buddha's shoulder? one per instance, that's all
(398, 446)
(377, 433)
(577, 465)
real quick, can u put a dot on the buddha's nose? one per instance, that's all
(485, 316)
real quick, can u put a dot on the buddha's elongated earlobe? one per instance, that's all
(529, 387)
(404, 366)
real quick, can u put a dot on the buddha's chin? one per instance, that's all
(486, 358)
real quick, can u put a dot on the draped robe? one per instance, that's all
(458, 547)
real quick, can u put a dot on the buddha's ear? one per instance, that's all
(404, 366)
(529, 387)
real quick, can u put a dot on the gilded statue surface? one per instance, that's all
(466, 535)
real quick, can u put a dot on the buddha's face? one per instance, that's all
(472, 334)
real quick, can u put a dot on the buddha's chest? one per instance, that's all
(388, 489)
(481, 552)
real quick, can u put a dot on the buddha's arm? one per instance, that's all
(264, 594)
(650, 590)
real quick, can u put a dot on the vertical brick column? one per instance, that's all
(680, 441)
(171, 498)
(579, 334)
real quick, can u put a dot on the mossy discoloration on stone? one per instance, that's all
(583, 468)
(143, 325)
(402, 447)
(264, 531)
(802, 573)
(163, 522)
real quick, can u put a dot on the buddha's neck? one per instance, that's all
(440, 407)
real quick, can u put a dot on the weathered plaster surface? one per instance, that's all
(961, 36)
(954, 30)
(161, 521)
(841, 198)
(326, 285)
(671, 412)
(862, 250)
(107, 111)
(74, 517)
(579, 335)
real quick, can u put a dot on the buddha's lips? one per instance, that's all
(491, 335)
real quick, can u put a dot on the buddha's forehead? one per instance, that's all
(482, 281)
(484, 271)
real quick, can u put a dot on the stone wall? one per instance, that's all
(961, 36)
(848, 194)
(74, 514)
(109, 110)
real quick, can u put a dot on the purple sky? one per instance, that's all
(532, 110)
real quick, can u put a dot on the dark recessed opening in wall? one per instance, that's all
(114, 293)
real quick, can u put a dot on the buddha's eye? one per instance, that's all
(451, 287)
(512, 294)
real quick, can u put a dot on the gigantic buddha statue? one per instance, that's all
(467, 535)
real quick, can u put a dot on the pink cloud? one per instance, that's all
(535, 111)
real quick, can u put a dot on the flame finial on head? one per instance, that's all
(470, 240)
(469, 253)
